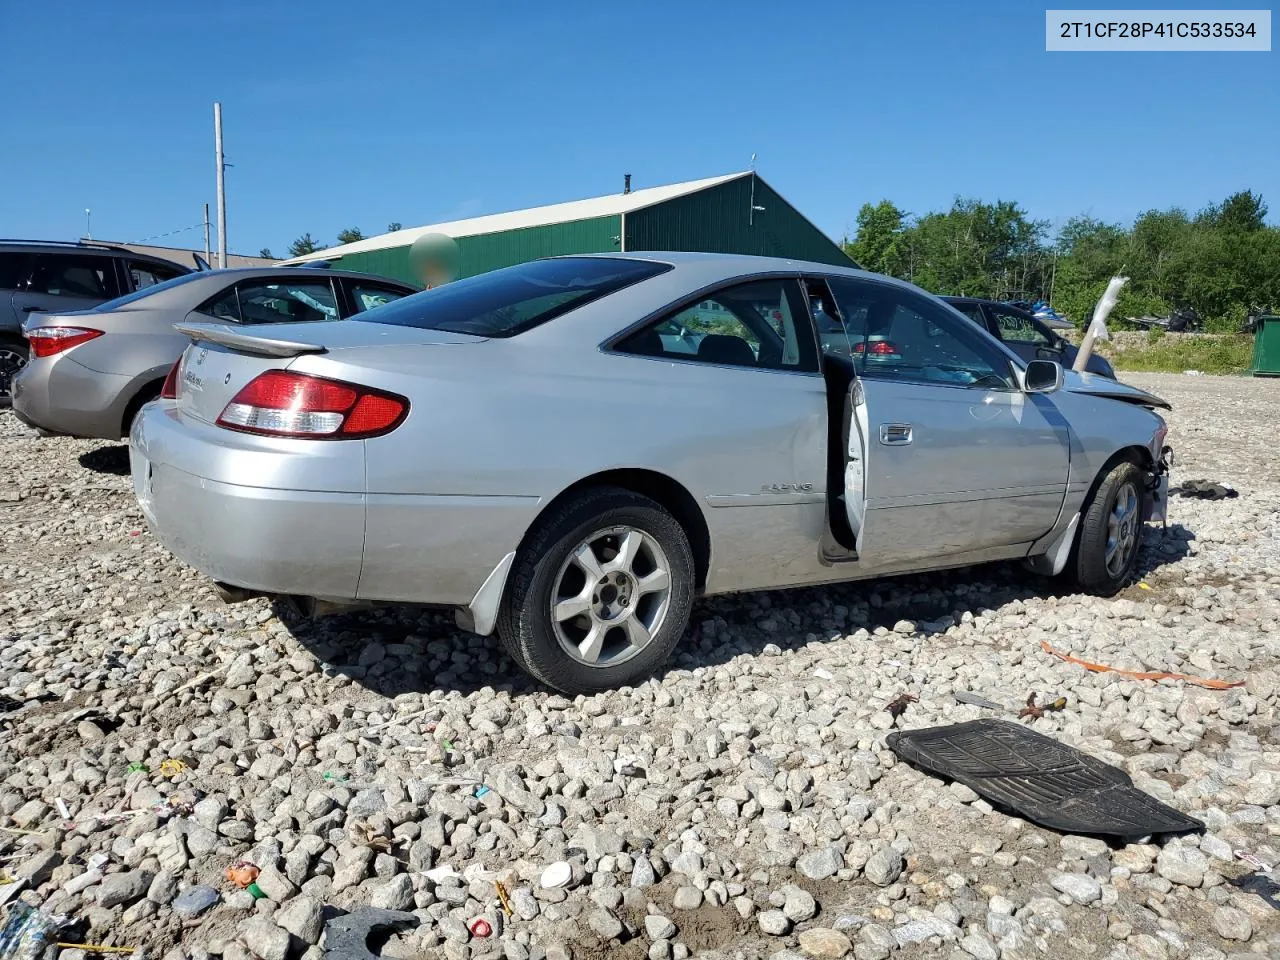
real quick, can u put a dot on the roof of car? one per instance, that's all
(84, 248)
(280, 270)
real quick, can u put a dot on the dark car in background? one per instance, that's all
(1025, 335)
(38, 276)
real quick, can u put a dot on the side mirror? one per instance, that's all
(1042, 376)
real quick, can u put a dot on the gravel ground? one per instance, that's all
(743, 804)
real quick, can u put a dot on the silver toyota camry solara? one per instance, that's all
(569, 451)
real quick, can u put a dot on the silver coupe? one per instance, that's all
(570, 450)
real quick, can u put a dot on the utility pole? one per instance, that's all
(88, 229)
(206, 233)
(222, 196)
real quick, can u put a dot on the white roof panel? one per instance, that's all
(611, 205)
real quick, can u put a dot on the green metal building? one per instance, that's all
(737, 213)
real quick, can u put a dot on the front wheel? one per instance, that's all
(13, 357)
(1106, 552)
(600, 594)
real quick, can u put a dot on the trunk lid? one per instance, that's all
(222, 358)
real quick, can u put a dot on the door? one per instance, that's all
(946, 455)
(13, 275)
(63, 282)
(730, 402)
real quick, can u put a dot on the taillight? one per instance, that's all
(279, 403)
(879, 348)
(46, 341)
(170, 389)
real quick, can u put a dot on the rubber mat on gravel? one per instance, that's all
(1040, 779)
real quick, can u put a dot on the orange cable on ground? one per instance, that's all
(1140, 674)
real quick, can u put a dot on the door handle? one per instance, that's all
(33, 308)
(895, 434)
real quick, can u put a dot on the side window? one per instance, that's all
(59, 275)
(973, 311)
(762, 324)
(1015, 328)
(366, 296)
(833, 338)
(12, 271)
(257, 301)
(906, 336)
(143, 274)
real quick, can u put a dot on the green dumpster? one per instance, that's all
(1266, 348)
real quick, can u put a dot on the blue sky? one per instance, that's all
(344, 113)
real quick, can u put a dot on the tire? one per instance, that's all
(13, 357)
(619, 623)
(1106, 550)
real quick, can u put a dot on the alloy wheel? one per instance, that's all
(611, 596)
(1122, 530)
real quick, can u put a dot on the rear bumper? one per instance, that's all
(248, 534)
(272, 516)
(57, 395)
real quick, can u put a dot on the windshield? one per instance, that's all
(146, 292)
(509, 301)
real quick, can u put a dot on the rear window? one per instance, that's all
(509, 301)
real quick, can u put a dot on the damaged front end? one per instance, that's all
(1155, 502)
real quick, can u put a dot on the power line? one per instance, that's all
(161, 236)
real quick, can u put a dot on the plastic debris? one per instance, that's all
(1142, 674)
(172, 768)
(63, 809)
(137, 767)
(964, 696)
(96, 948)
(331, 777)
(1143, 585)
(255, 891)
(556, 875)
(442, 873)
(242, 874)
(27, 932)
(347, 937)
(481, 791)
(1254, 861)
(1204, 490)
(480, 927)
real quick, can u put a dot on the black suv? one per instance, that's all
(1024, 334)
(46, 276)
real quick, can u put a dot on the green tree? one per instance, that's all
(350, 235)
(303, 245)
(265, 253)
(393, 226)
(875, 247)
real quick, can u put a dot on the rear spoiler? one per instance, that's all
(225, 336)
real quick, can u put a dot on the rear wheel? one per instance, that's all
(148, 393)
(13, 357)
(1106, 552)
(600, 593)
